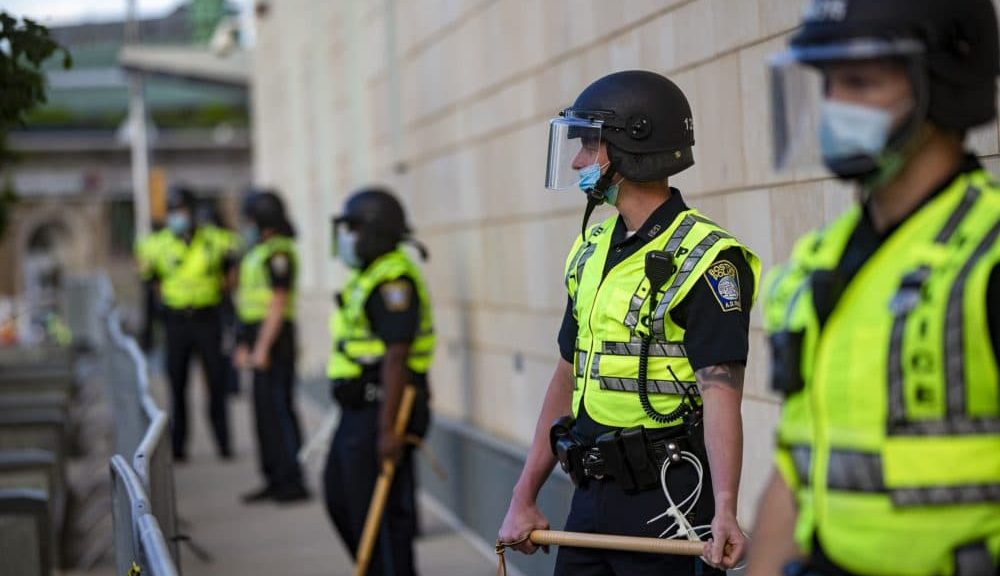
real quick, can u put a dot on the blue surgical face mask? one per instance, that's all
(850, 130)
(178, 222)
(250, 235)
(589, 176)
(347, 242)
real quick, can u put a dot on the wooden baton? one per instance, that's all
(382, 486)
(612, 542)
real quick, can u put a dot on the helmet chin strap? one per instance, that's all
(597, 195)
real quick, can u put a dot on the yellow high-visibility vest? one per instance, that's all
(890, 435)
(354, 344)
(612, 315)
(190, 273)
(255, 292)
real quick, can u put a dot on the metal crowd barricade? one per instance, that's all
(124, 390)
(142, 430)
(86, 301)
(139, 544)
(153, 460)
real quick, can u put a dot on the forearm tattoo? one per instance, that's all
(725, 375)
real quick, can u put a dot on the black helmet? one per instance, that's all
(266, 210)
(378, 219)
(646, 122)
(208, 214)
(959, 38)
(180, 197)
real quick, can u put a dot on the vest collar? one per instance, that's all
(970, 163)
(656, 224)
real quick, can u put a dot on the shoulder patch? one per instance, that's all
(396, 295)
(724, 280)
(279, 264)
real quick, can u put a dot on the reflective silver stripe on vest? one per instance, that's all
(583, 253)
(854, 471)
(957, 421)
(595, 367)
(954, 337)
(656, 349)
(681, 276)
(673, 243)
(971, 195)
(581, 363)
(802, 461)
(652, 386)
(945, 495)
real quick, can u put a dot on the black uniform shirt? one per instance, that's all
(716, 337)
(393, 311)
(865, 241)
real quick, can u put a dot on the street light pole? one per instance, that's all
(137, 131)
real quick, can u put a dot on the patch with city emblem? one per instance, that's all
(725, 283)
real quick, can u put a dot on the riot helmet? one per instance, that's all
(947, 51)
(266, 210)
(646, 123)
(372, 223)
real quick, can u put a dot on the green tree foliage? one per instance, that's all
(24, 46)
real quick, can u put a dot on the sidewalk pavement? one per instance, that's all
(272, 540)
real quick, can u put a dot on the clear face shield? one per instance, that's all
(845, 105)
(574, 143)
(343, 240)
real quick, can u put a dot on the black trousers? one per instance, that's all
(151, 314)
(349, 480)
(603, 507)
(279, 434)
(189, 333)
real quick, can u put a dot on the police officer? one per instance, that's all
(654, 342)
(267, 344)
(190, 271)
(885, 325)
(383, 340)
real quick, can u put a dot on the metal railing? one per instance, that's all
(140, 547)
(124, 390)
(142, 443)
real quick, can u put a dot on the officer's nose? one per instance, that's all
(583, 159)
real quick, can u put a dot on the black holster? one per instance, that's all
(567, 449)
(786, 358)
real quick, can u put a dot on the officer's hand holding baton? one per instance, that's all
(728, 543)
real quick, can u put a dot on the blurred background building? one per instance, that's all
(72, 176)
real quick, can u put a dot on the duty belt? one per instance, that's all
(593, 465)
(632, 456)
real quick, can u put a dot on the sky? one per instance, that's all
(52, 12)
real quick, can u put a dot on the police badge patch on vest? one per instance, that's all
(725, 283)
(396, 295)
